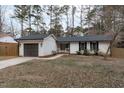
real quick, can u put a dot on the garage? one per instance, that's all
(31, 50)
(37, 45)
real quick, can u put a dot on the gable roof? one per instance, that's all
(33, 37)
(51, 35)
(85, 38)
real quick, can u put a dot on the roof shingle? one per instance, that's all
(85, 38)
(70, 38)
(33, 37)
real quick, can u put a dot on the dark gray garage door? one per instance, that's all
(31, 50)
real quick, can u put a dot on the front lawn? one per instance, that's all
(67, 71)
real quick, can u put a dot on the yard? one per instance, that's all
(67, 71)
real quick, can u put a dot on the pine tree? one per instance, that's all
(66, 12)
(55, 12)
(21, 13)
(73, 18)
(37, 13)
(81, 18)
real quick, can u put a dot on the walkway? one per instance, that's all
(14, 61)
(53, 57)
(19, 60)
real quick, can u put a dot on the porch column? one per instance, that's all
(88, 46)
(40, 49)
(21, 49)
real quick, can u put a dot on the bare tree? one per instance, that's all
(109, 19)
(12, 27)
(2, 17)
(29, 17)
(49, 12)
(81, 17)
(73, 18)
(117, 22)
(66, 11)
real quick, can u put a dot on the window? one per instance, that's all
(64, 46)
(41, 44)
(94, 46)
(67, 47)
(83, 46)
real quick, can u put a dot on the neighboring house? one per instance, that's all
(8, 46)
(6, 38)
(43, 45)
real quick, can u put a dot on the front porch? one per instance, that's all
(63, 47)
(76, 47)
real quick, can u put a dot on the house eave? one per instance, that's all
(86, 41)
(29, 41)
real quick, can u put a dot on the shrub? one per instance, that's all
(78, 53)
(96, 52)
(82, 51)
(86, 52)
(92, 52)
(54, 52)
(101, 53)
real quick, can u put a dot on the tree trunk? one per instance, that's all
(81, 20)
(37, 26)
(72, 20)
(0, 20)
(30, 19)
(51, 17)
(111, 45)
(12, 28)
(22, 33)
(67, 20)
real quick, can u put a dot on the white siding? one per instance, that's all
(74, 47)
(21, 49)
(48, 45)
(88, 46)
(103, 46)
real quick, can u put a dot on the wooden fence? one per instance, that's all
(118, 52)
(8, 49)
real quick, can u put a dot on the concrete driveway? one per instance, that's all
(19, 60)
(14, 61)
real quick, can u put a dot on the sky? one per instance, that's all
(10, 13)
